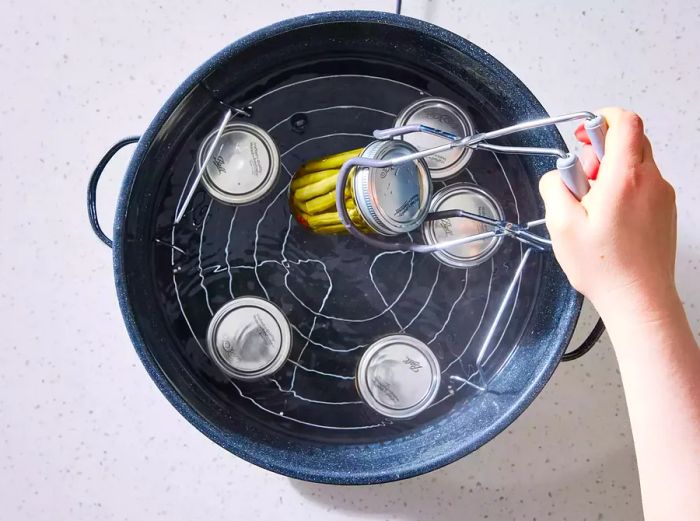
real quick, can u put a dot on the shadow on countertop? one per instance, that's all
(459, 493)
(570, 452)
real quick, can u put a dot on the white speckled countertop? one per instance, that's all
(84, 433)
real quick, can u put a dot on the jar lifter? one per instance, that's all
(568, 165)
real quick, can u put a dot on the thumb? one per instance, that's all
(563, 209)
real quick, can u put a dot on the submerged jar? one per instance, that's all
(470, 198)
(398, 376)
(388, 201)
(249, 338)
(442, 114)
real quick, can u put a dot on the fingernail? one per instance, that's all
(582, 135)
(590, 166)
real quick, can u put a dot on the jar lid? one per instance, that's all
(444, 115)
(470, 198)
(398, 376)
(244, 166)
(394, 199)
(248, 338)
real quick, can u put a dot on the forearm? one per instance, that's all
(660, 367)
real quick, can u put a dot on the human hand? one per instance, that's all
(617, 245)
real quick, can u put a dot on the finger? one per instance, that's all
(582, 135)
(562, 208)
(625, 138)
(589, 161)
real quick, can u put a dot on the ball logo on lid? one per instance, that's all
(219, 163)
(413, 365)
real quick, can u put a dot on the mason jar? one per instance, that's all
(387, 201)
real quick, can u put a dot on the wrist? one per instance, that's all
(639, 319)
(636, 306)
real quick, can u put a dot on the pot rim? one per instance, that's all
(254, 452)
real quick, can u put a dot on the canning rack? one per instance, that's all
(568, 164)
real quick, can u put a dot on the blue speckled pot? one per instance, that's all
(467, 427)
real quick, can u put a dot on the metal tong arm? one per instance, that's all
(569, 166)
(202, 168)
(517, 231)
(469, 141)
(502, 227)
(476, 141)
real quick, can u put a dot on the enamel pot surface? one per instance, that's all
(319, 85)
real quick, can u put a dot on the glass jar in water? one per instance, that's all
(388, 201)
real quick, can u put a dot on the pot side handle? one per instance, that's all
(92, 187)
(587, 344)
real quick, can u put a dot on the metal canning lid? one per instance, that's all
(244, 166)
(392, 200)
(444, 115)
(471, 198)
(248, 338)
(398, 376)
